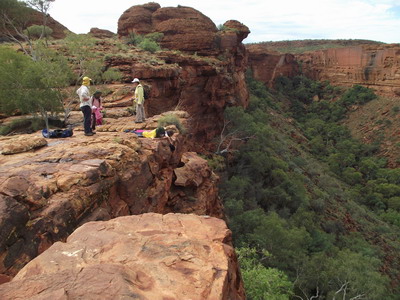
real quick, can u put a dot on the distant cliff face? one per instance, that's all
(267, 65)
(374, 66)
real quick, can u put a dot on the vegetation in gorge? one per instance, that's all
(302, 190)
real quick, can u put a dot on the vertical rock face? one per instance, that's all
(267, 65)
(374, 66)
(150, 256)
(204, 79)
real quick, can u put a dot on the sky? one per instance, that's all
(268, 20)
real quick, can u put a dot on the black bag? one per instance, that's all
(58, 133)
(146, 91)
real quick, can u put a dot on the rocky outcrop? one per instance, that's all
(33, 17)
(150, 256)
(375, 66)
(202, 83)
(21, 144)
(184, 28)
(267, 65)
(101, 33)
(48, 192)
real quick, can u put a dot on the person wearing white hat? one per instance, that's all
(139, 100)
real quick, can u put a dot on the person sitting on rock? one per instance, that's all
(139, 100)
(86, 105)
(97, 117)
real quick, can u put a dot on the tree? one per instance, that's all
(14, 17)
(31, 86)
(42, 6)
(261, 282)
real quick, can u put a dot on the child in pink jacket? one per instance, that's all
(97, 116)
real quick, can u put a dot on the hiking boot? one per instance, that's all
(89, 134)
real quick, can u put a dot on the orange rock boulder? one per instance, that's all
(149, 256)
(184, 28)
(101, 33)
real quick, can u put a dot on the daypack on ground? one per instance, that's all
(146, 91)
(58, 133)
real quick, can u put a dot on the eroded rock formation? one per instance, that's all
(49, 192)
(375, 66)
(203, 80)
(150, 256)
(101, 33)
(267, 65)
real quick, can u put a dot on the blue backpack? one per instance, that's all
(58, 133)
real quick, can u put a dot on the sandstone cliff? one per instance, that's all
(150, 256)
(267, 64)
(48, 192)
(50, 188)
(374, 66)
(203, 77)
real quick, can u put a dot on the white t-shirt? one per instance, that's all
(83, 92)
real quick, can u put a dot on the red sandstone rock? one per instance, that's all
(374, 66)
(137, 19)
(101, 33)
(150, 256)
(267, 65)
(79, 179)
(184, 28)
(21, 144)
(240, 29)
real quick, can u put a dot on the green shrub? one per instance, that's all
(134, 39)
(171, 119)
(155, 36)
(111, 75)
(5, 129)
(149, 45)
(261, 282)
(35, 31)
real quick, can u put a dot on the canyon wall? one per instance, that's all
(266, 64)
(373, 66)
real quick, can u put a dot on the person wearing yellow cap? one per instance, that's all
(86, 105)
(139, 100)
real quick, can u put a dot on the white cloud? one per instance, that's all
(267, 20)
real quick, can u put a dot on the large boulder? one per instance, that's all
(101, 33)
(184, 28)
(149, 256)
(137, 19)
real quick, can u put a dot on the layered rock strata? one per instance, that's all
(203, 73)
(48, 192)
(150, 256)
(375, 66)
(267, 65)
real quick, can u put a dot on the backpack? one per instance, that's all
(58, 133)
(146, 91)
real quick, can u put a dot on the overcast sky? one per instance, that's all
(268, 20)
